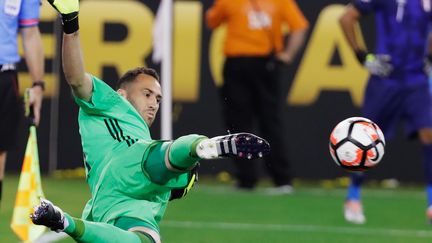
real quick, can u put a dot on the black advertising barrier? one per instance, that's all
(323, 86)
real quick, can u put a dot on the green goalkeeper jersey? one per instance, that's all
(116, 141)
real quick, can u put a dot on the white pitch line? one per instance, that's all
(376, 193)
(53, 237)
(295, 228)
(50, 237)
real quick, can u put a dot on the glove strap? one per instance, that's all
(70, 22)
(429, 57)
(361, 56)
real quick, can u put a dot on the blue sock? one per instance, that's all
(429, 194)
(427, 163)
(354, 188)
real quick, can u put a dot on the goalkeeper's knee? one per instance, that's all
(145, 238)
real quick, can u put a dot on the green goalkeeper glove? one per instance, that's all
(181, 192)
(69, 13)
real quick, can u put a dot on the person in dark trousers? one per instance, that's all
(251, 92)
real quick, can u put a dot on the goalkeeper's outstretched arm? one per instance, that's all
(73, 63)
(73, 67)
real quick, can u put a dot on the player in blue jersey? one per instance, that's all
(397, 70)
(18, 17)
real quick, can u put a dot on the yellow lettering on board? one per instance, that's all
(315, 73)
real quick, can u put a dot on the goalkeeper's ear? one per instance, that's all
(122, 92)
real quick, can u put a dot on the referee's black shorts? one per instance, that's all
(11, 109)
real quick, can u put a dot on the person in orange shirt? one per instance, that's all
(254, 52)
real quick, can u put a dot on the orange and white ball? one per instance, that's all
(357, 144)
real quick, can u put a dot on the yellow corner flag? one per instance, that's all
(28, 194)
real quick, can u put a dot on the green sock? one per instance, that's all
(182, 156)
(88, 232)
(183, 151)
(75, 227)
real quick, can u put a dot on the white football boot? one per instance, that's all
(238, 145)
(353, 212)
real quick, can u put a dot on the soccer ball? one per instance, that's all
(357, 144)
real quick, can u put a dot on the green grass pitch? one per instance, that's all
(215, 212)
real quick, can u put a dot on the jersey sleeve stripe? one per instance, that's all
(115, 130)
(109, 129)
(120, 130)
(28, 22)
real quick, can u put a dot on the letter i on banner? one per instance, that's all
(29, 193)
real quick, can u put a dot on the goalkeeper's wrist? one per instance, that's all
(70, 22)
(361, 55)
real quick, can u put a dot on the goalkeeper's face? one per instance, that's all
(144, 93)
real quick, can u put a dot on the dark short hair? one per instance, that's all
(130, 75)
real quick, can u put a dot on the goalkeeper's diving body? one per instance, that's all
(131, 176)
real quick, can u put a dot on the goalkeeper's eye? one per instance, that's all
(148, 94)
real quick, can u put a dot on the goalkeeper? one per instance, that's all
(131, 177)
